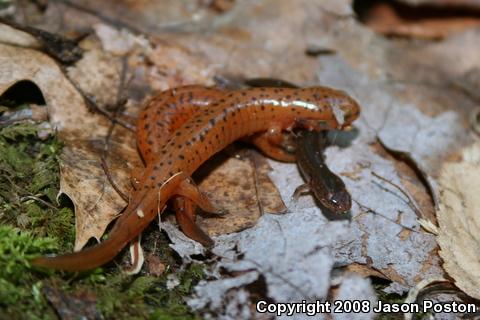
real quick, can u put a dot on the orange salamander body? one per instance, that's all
(181, 128)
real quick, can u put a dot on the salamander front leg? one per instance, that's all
(274, 144)
(301, 190)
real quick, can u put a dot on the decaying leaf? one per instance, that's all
(459, 221)
(240, 185)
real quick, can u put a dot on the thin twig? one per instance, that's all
(409, 201)
(110, 179)
(120, 101)
(45, 203)
(109, 20)
(368, 209)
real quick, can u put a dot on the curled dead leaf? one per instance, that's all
(459, 221)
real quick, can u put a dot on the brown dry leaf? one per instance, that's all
(81, 131)
(241, 186)
(459, 221)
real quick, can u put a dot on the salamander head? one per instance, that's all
(344, 109)
(330, 191)
(338, 202)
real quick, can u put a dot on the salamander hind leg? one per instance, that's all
(185, 214)
(274, 143)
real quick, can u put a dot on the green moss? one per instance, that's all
(33, 223)
(19, 285)
(29, 180)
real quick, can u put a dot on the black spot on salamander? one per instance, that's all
(178, 133)
(244, 93)
(169, 162)
(150, 142)
(262, 89)
(212, 121)
(170, 173)
(152, 178)
(190, 97)
(188, 143)
(223, 128)
(181, 157)
(222, 101)
(262, 107)
(188, 127)
(155, 167)
(216, 136)
(161, 164)
(159, 123)
(179, 146)
(202, 137)
(145, 116)
(288, 97)
(254, 98)
(163, 152)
